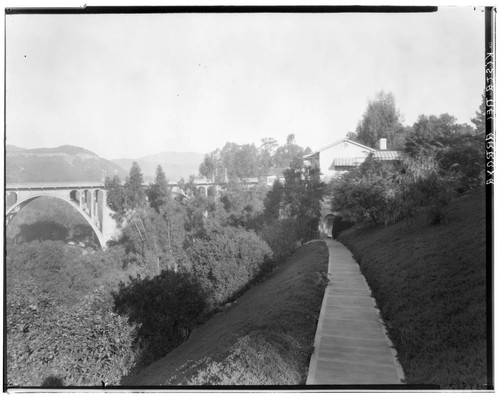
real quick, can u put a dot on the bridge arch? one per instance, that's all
(327, 224)
(13, 210)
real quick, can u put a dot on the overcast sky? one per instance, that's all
(133, 85)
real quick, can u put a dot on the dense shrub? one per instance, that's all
(339, 225)
(61, 325)
(281, 236)
(464, 156)
(368, 192)
(82, 347)
(64, 272)
(390, 193)
(165, 308)
(47, 261)
(291, 210)
(226, 260)
(240, 204)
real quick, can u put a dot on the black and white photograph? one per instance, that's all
(259, 198)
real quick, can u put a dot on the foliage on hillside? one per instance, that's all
(186, 259)
(226, 260)
(60, 323)
(236, 162)
(427, 270)
(264, 338)
(441, 159)
(84, 346)
(430, 286)
(164, 309)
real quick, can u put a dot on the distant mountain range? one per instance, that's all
(74, 164)
(175, 164)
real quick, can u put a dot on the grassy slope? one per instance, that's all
(430, 286)
(265, 338)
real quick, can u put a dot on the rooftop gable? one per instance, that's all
(345, 140)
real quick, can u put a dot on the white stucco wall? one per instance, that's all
(342, 150)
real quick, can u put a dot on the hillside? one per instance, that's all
(265, 338)
(430, 285)
(62, 164)
(175, 164)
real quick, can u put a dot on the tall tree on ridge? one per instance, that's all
(380, 120)
(134, 191)
(158, 192)
(287, 153)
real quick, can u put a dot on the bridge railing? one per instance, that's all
(54, 185)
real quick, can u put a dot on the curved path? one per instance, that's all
(351, 346)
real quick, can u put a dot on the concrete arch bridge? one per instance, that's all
(87, 198)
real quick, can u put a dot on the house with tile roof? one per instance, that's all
(339, 157)
(344, 155)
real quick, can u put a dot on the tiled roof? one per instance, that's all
(386, 155)
(383, 155)
(347, 162)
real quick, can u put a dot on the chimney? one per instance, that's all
(382, 144)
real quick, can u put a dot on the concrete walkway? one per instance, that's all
(351, 346)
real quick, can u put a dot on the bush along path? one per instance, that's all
(351, 346)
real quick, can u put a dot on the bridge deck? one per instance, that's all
(91, 185)
(53, 185)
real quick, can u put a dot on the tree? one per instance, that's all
(433, 133)
(287, 153)
(352, 136)
(134, 190)
(229, 158)
(399, 141)
(235, 161)
(302, 196)
(267, 149)
(125, 199)
(238, 205)
(380, 120)
(115, 197)
(480, 120)
(212, 167)
(155, 238)
(158, 192)
(246, 161)
(207, 167)
(272, 202)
